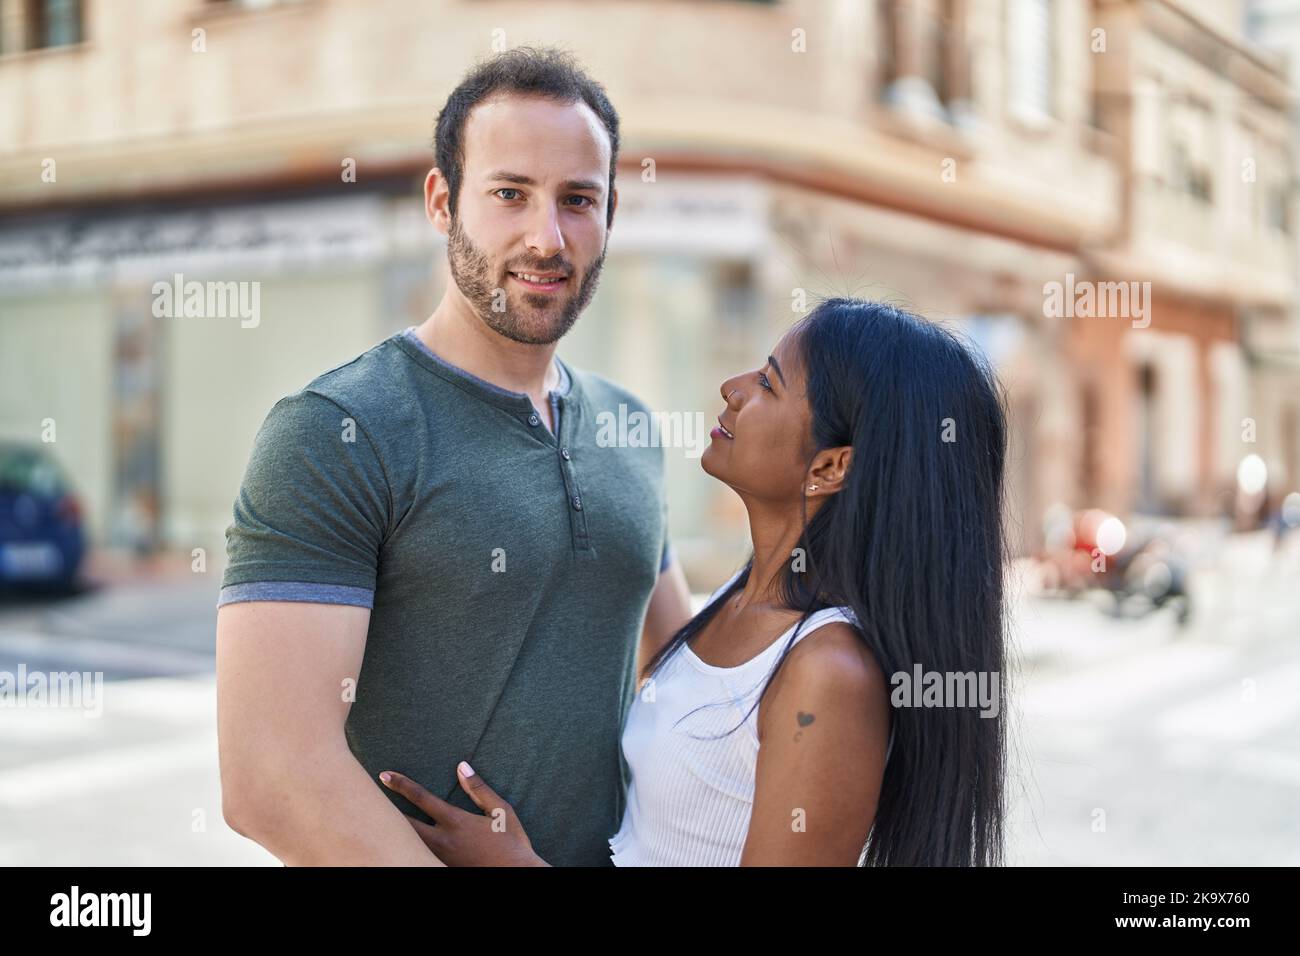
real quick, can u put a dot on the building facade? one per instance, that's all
(959, 157)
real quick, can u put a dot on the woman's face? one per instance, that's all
(769, 421)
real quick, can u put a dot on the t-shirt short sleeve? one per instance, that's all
(312, 510)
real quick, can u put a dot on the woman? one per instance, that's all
(868, 451)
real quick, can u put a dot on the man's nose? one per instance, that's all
(544, 238)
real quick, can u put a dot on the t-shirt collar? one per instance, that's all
(413, 345)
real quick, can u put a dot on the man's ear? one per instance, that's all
(829, 469)
(436, 196)
(613, 205)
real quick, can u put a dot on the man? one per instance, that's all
(432, 559)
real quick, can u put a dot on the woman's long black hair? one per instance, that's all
(914, 544)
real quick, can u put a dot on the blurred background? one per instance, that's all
(975, 160)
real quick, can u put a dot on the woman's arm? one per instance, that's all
(493, 838)
(823, 732)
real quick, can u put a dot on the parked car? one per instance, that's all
(42, 540)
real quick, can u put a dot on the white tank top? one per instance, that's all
(690, 797)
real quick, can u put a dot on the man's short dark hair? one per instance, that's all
(546, 72)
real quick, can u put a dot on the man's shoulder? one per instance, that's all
(374, 376)
(371, 389)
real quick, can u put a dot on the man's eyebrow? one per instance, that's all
(504, 175)
(771, 360)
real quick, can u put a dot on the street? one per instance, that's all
(1133, 742)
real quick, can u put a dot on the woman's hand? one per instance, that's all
(461, 838)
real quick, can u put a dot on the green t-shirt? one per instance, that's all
(508, 571)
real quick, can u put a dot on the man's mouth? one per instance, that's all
(540, 281)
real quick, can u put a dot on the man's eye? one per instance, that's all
(585, 200)
(763, 381)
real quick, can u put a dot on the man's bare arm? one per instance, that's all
(669, 610)
(288, 779)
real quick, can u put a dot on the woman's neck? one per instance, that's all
(775, 533)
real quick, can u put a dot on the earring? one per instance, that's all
(812, 487)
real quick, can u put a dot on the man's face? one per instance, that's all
(532, 203)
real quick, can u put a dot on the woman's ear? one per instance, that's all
(829, 469)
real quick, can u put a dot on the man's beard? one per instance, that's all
(530, 323)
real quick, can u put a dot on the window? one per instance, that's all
(1189, 136)
(923, 57)
(1091, 458)
(1030, 60)
(1147, 438)
(736, 295)
(1277, 192)
(1185, 174)
(53, 23)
